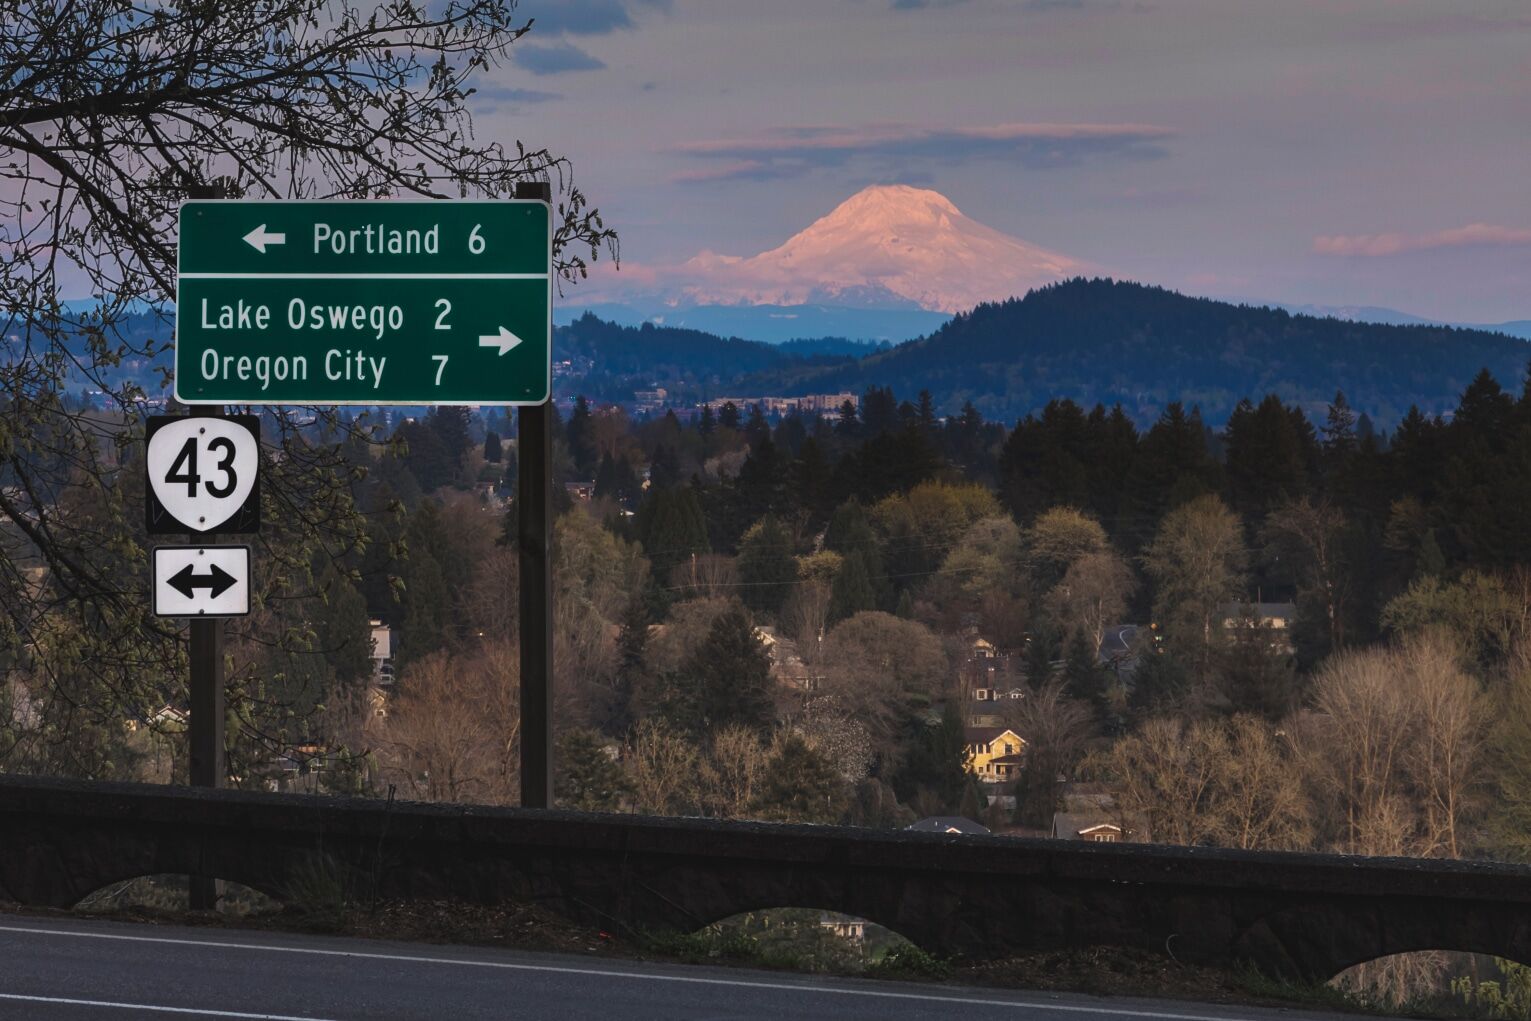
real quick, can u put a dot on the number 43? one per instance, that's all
(184, 468)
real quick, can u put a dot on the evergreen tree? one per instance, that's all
(426, 459)
(342, 627)
(431, 573)
(767, 568)
(755, 427)
(707, 424)
(926, 413)
(1265, 461)
(726, 680)
(1340, 428)
(890, 462)
(1159, 684)
(451, 425)
(632, 666)
(1256, 675)
(852, 590)
(671, 527)
(936, 763)
(812, 482)
(589, 779)
(493, 448)
(799, 785)
(1111, 443)
(580, 436)
(1172, 467)
(728, 417)
(763, 485)
(1043, 462)
(1039, 656)
(879, 411)
(427, 611)
(664, 468)
(790, 434)
(1083, 675)
(973, 801)
(849, 425)
(606, 478)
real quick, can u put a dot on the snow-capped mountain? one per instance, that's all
(886, 243)
(888, 263)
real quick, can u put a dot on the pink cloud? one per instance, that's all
(729, 171)
(1471, 236)
(790, 151)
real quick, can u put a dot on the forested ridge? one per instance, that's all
(1145, 347)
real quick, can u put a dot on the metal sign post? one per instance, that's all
(534, 524)
(206, 705)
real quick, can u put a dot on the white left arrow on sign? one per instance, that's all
(260, 237)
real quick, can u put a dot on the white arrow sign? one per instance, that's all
(259, 238)
(504, 340)
(201, 581)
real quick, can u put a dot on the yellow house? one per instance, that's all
(995, 754)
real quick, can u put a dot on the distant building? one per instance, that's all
(650, 400)
(1279, 616)
(1092, 815)
(787, 666)
(995, 754)
(382, 654)
(810, 404)
(1067, 826)
(851, 929)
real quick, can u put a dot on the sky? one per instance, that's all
(1335, 152)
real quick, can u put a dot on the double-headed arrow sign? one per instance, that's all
(201, 581)
(186, 581)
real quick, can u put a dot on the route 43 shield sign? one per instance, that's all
(202, 474)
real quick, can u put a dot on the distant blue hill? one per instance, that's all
(771, 324)
(1392, 317)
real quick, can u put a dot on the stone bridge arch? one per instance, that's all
(1300, 915)
(1318, 941)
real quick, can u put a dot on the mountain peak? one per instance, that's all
(889, 244)
(893, 200)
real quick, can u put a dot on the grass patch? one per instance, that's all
(710, 945)
(907, 961)
(322, 894)
(1316, 994)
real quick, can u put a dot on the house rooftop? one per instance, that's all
(947, 824)
(1259, 611)
(984, 735)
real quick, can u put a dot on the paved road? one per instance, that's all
(80, 970)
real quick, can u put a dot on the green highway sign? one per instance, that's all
(364, 302)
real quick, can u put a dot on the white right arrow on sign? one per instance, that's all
(504, 340)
